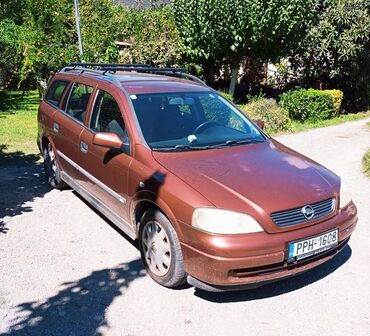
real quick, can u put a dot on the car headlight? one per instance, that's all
(345, 195)
(224, 221)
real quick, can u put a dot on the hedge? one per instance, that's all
(337, 97)
(309, 104)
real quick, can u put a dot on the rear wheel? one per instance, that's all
(52, 170)
(160, 249)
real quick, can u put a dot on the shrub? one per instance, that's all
(307, 104)
(256, 97)
(226, 95)
(337, 97)
(275, 118)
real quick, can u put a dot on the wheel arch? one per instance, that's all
(140, 206)
(44, 141)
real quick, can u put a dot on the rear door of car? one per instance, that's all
(49, 106)
(68, 124)
(107, 169)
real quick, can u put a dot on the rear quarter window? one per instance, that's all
(55, 92)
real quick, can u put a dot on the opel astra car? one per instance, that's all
(209, 196)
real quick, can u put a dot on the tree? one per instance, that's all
(12, 48)
(233, 29)
(336, 50)
(102, 23)
(38, 37)
(41, 35)
(154, 36)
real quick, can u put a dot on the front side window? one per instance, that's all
(55, 92)
(192, 120)
(107, 117)
(78, 100)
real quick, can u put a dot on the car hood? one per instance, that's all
(256, 178)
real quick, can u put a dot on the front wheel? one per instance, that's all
(160, 249)
(52, 170)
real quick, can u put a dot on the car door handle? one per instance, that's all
(84, 147)
(56, 128)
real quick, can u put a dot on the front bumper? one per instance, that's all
(237, 261)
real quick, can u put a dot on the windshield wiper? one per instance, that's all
(181, 148)
(228, 143)
(237, 142)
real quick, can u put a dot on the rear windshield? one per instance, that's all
(192, 120)
(55, 92)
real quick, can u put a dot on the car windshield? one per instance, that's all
(192, 121)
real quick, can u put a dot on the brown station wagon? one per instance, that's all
(211, 198)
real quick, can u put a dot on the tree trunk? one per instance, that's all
(234, 75)
(209, 72)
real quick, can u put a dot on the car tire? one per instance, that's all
(160, 249)
(51, 167)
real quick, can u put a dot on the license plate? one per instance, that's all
(307, 247)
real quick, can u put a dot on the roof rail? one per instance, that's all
(104, 65)
(111, 68)
(144, 69)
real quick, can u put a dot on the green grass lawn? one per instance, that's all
(18, 128)
(366, 159)
(304, 126)
(18, 122)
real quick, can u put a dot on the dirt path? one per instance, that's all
(65, 271)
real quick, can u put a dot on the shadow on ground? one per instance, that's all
(21, 180)
(281, 287)
(80, 307)
(17, 158)
(10, 102)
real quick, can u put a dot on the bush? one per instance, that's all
(226, 95)
(308, 104)
(337, 97)
(275, 118)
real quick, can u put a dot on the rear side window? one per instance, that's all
(78, 100)
(107, 116)
(55, 92)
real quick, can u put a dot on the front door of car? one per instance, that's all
(68, 125)
(107, 169)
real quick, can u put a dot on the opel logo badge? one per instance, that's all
(308, 212)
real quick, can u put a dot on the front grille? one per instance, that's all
(296, 216)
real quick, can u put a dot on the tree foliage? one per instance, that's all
(213, 29)
(40, 36)
(336, 51)
(154, 37)
(328, 41)
(233, 29)
(102, 23)
(37, 37)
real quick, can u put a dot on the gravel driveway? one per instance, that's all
(65, 271)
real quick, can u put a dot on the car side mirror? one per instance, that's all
(111, 141)
(260, 123)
